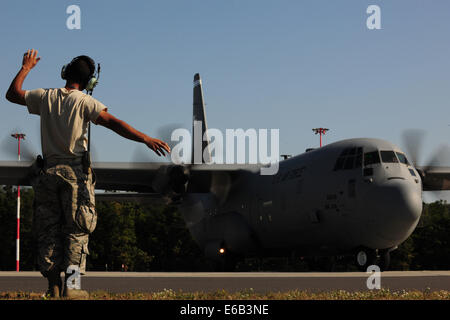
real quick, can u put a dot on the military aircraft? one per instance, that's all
(357, 196)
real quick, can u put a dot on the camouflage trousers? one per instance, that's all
(64, 216)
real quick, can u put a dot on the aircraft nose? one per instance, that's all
(397, 207)
(404, 200)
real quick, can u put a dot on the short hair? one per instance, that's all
(80, 70)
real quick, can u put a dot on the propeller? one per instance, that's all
(170, 180)
(413, 141)
(220, 183)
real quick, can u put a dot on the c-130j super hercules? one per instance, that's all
(356, 196)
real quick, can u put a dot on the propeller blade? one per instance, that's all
(220, 186)
(412, 141)
(433, 182)
(441, 157)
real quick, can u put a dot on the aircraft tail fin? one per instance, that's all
(200, 141)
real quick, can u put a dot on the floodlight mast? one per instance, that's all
(18, 136)
(320, 131)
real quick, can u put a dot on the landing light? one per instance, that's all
(221, 250)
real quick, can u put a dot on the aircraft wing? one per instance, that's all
(139, 177)
(122, 176)
(435, 178)
(15, 173)
(155, 177)
(142, 198)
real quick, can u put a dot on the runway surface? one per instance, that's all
(119, 282)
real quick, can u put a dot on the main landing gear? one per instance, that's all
(365, 257)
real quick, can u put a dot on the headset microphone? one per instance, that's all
(93, 81)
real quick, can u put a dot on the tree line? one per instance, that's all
(136, 237)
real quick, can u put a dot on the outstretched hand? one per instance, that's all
(158, 146)
(30, 59)
(15, 92)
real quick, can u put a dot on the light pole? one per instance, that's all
(320, 131)
(18, 136)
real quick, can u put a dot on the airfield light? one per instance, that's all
(18, 136)
(320, 131)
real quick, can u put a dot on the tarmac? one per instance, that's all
(122, 282)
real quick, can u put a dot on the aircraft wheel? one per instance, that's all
(364, 258)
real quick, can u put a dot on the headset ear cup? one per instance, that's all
(91, 84)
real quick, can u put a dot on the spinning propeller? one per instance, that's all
(413, 142)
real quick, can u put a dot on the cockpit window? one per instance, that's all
(349, 163)
(388, 157)
(358, 160)
(339, 164)
(371, 158)
(350, 158)
(402, 158)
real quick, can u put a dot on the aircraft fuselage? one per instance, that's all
(328, 200)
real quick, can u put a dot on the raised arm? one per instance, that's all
(125, 130)
(15, 92)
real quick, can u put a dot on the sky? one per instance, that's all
(290, 65)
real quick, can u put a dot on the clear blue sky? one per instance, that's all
(292, 65)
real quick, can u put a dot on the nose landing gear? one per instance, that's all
(365, 257)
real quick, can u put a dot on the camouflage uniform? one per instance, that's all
(64, 215)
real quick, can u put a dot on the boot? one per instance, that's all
(74, 294)
(54, 284)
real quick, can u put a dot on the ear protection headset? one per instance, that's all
(93, 77)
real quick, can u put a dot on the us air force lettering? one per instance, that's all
(357, 196)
